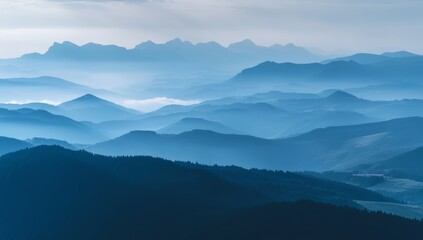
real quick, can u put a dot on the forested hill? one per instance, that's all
(49, 192)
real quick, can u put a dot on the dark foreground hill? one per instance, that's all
(308, 220)
(53, 193)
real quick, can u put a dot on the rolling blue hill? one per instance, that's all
(30, 123)
(332, 148)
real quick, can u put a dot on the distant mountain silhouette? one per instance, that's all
(368, 58)
(362, 58)
(90, 52)
(248, 47)
(189, 124)
(94, 109)
(138, 197)
(174, 50)
(404, 69)
(341, 96)
(400, 54)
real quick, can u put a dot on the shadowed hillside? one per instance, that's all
(78, 195)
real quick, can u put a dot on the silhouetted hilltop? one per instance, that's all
(190, 124)
(94, 109)
(399, 54)
(50, 142)
(341, 96)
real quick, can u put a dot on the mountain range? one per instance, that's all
(174, 50)
(273, 114)
(74, 164)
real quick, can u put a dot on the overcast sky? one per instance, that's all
(353, 25)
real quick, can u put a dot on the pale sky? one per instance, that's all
(351, 25)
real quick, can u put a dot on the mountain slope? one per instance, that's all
(104, 198)
(342, 101)
(197, 146)
(307, 220)
(347, 146)
(8, 145)
(128, 197)
(408, 164)
(319, 150)
(29, 123)
(40, 89)
(94, 109)
(256, 119)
